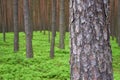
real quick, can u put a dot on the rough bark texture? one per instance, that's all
(28, 30)
(91, 57)
(53, 28)
(16, 33)
(62, 25)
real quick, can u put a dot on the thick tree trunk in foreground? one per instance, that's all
(53, 28)
(28, 30)
(62, 25)
(91, 57)
(16, 32)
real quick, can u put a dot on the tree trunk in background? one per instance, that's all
(16, 32)
(115, 19)
(49, 21)
(3, 21)
(38, 9)
(91, 57)
(28, 30)
(62, 25)
(119, 22)
(0, 16)
(44, 18)
(41, 15)
(112, 18)
(66, 15)
(53, 28)
(31, 14)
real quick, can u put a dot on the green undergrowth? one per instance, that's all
(15, 66)
(116, 59)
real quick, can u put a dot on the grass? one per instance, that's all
(116, 59)
(15, 66)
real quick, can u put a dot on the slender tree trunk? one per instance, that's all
(62, 25)
(112, 18)
(53, 28)
(28, 30)
(31, 14)
(3, 21)
(16, 32)
(119, 22)
(41, 15)
(115, 19)
(49, 25)
(5, 15)
(44, 17)
(39, 23)
(91, 57)
(0, 16)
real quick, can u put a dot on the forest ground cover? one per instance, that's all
(15, 66)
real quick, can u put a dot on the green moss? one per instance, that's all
(15, 66)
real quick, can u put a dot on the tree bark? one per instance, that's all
(91, 57)
(49, 22)
(62, 25)
(112, 18)
(53, 28)
(116, 19)
(28, 30)
(119, 22)
(16, 32)
(3, 21)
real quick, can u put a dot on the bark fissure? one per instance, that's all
(90, 48)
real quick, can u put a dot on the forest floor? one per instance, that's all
(15, 66)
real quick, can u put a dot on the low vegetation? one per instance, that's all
(15, 66)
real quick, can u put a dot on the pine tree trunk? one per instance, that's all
(112, 18)
(91, 57)
(53, 28)
(28, 30)
(3, 21)
(116, 19)
(62, 25)
(119, 22)
(49, 26)
(0, 16)
(16, 33)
